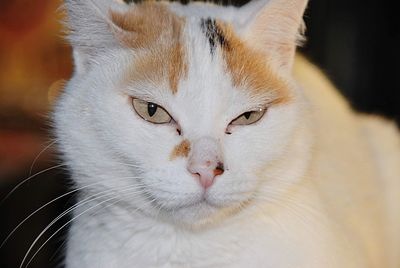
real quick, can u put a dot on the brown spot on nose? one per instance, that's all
(219, 170)
(181, 150)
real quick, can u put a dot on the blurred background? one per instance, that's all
(355, 43)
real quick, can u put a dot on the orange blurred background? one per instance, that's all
(34, 62)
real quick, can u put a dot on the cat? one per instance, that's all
(198, 138)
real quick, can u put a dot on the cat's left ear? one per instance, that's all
(274, 26)
(91, 30)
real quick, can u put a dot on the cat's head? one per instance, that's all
(184, 112)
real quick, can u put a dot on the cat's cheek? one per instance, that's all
(142, 142)
(251, 151)
(241, 150)
(233, 190)
(267, 140)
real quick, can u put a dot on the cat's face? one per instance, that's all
(184, 119)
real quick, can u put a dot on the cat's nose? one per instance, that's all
(205, 161)
(206, 171)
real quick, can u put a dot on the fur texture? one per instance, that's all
(311, 184)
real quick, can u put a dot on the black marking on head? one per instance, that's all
(213, 33)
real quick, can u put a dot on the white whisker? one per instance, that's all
(40, 153)
(49, 203)
(61, 228)
(28, 179)
(87, 200)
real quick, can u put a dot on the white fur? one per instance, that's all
(286, 198)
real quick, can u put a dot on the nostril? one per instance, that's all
(220, 166)
(219, 170)
(205, 174)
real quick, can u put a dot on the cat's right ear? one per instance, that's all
(90, 29)
(274, 26)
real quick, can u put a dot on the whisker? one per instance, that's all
(49, 203)
(61, 228)
(43, 171)
(295, 207)
(40, 153)
(87, 200)
(27, 179)
(129, 165)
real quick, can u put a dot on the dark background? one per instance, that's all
(356, 43)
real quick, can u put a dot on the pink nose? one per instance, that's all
(206, 172)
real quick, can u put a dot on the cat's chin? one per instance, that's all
(198, 215)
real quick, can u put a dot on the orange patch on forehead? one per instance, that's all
(153, 27)
(181, 150)
(248, 67)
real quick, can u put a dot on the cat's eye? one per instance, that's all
(249, 118)
(151, 112)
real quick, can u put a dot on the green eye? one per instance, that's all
(249, 118)
(151, 112)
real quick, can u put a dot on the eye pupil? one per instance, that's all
(247, 115)
(152, 108)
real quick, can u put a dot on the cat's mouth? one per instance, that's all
(192, 206)
(204, 202)
(193, 203)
